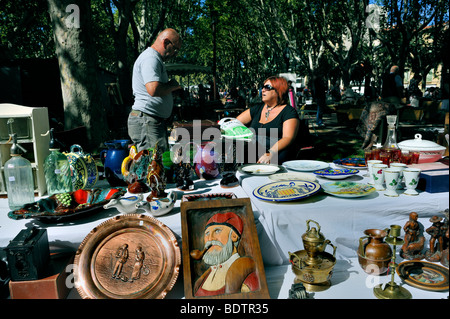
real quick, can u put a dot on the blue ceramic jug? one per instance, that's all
(112, 159)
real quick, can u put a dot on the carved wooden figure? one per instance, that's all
(414, 240)
(436, 231)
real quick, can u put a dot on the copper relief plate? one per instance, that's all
(127, 257)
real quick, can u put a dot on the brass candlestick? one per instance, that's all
(391, 290)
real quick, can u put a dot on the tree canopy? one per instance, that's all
(253, 38)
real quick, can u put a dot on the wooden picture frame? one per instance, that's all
(243, 278)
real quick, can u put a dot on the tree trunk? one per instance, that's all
(71, 20)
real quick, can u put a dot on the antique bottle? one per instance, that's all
(390, 145)
(57, 170)
(19, 177)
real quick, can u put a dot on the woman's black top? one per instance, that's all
(263, 130)
(287, 113)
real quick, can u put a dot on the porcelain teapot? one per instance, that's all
(159, 206)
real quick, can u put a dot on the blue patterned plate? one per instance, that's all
(336, 173)
(351, 162)
(286, 191)
(348, 189)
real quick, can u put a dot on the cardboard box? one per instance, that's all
(434, 181)
(52, 286)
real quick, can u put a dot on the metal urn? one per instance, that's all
(313, 266)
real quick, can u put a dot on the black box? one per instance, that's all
(28, 254)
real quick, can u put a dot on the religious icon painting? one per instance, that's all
(220, 250)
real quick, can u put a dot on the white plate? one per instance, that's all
(348, 189)
(293, 176)
(260, 169)
(305, 165)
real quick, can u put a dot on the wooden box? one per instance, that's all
(232, 267)
(54, 285)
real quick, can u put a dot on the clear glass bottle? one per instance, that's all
(19, 178)
(390, 145)
(57, 172)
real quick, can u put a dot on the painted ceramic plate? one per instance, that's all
(336, 173)
(293, 176)
(424, 275)
(348, 189)
(260, 169)
(305, 165)
(351, 162)
(286, 191)
(129, 256)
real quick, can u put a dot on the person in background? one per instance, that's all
(392, 89)
(274, 113)
(254, 98)
(320, 97)
(152, 90)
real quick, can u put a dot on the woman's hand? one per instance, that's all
(265, 158)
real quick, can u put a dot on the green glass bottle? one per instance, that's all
(58, 176)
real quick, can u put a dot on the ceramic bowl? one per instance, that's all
(429, 151)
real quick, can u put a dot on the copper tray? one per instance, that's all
(424, 275)
(129, 256)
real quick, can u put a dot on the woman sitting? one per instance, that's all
(274, 114)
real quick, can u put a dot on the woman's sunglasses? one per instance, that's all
(268, 87)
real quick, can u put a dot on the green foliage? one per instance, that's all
(251, 36)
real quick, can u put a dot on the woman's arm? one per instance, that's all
(244, 117)
(290, 128)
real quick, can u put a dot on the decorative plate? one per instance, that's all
(305, 165)
(351, 162)
(293, 176)
(424, 275)
(129, 256)
(260, 169)
(286, 191)
(68, 206)
(348, 189)
(336, 173)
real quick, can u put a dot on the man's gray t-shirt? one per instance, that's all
(149, 67)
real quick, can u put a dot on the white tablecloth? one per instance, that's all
(279, 227)
(342, 220)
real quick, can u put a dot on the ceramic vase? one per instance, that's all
(392, 177)
(411, 180)
(112, 159)
(369, 169)
(378, 176)
(205, 161)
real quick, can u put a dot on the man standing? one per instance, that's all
(392, 90)
(152, 91)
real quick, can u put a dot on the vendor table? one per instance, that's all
(279, 227)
